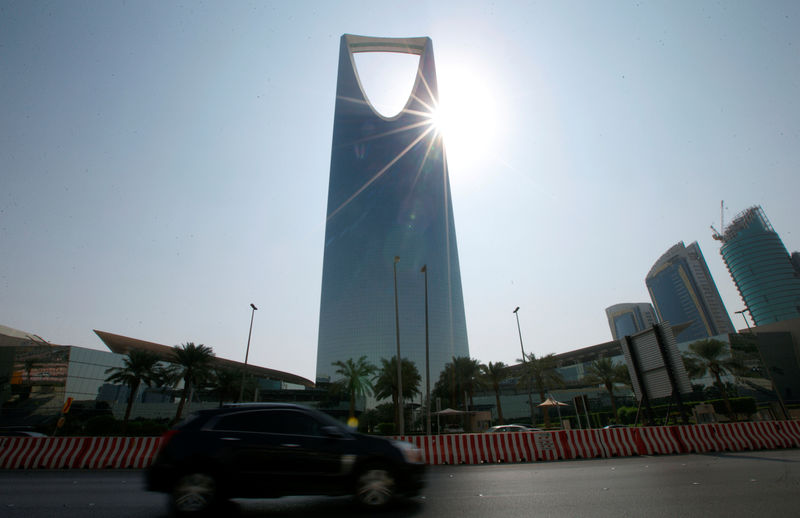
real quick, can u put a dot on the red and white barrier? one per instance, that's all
(586, 444)
(656, 440)
(77, 452)
(477, 448)
(120, 452)
(619, 442)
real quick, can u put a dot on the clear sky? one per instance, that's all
(165, 164)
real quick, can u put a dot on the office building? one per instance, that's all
(37, 377)
(629, 318)
(683, 291)
(389, 197)
(761, 268)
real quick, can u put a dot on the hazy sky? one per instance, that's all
(165, 164)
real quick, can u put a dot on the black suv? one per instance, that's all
(271, 450)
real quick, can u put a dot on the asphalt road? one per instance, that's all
(765, 483)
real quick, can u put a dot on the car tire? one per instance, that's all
(375, 487)
(194, 494)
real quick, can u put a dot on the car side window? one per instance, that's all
(288, 422)
(296, 423)
(256, 421)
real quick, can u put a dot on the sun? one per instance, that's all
(466, 116)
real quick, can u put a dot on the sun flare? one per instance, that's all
(466, 116)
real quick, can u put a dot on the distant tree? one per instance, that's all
(385, 382)
(225, 383)
(541, 373)
(138, 367)
(605, 372)
(492, 375)
(355, 379)
(458, 380)
(710, 355)
(193, 363)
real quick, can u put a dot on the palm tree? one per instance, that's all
(492, 374)
(225, 383)
(542, 373)
(458, 379)
(139, 367)
(385, 382)
(467, 371)
(193, 364)
(604, 371)
(355, 379)
(709, 355)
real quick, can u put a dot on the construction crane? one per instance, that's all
(717, 235)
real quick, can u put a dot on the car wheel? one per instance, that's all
(375, 487)
(194, 494)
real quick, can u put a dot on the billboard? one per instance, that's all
(654, 363)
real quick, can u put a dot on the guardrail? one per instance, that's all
(605, 443)
(77, 452)
(474, 448)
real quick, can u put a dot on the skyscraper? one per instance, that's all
(389, 196)
(683, 291)
(761, 267)
(629, 318)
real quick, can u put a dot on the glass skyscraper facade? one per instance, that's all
(627, 319)
(389, 196)
(761, 267)
(683, 291)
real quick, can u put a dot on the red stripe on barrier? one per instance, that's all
(67, 457)
(29, 445)
(7, 446)
(726, 437)
(793, 430)
(761, 432)
(619, 442)
(740, 433)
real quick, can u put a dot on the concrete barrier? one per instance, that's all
(77, 452)
(476, 448)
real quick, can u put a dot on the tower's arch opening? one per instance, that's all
(387, 79)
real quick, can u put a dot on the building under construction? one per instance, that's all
(761, 267)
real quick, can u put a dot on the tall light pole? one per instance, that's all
(427, 357)
(524, 362)
(401, 429)
(744, 317)
(247, 353)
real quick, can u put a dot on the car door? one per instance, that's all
(250, 452)
(270, 452)
(315, 461)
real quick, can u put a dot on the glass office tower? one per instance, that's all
(683, 291)
(761, 268)
(630, 318)
(389, 196)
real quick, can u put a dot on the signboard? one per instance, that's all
(544, 442)
(67, 404)
(704, 414)
(654, 363)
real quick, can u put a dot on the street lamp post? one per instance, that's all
(427, 358)
(400, 419)
(247, 353)
(524, 362)
(744, 317)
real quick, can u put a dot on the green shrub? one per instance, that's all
(103, 425)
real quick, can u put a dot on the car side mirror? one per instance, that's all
(333, 432)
